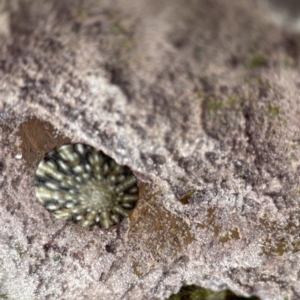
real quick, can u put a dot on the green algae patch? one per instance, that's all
(56, 257)
(263, 83)
(193, 292)
(21, 250)
(273, 110)
(257, 61)
(156, 231)
(212, 104)
(222, 115)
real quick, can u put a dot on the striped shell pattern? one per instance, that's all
(76, 182)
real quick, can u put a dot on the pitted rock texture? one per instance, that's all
(200, 99)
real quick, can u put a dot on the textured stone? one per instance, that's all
(200, 99)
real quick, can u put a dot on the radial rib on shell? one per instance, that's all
(76, 182)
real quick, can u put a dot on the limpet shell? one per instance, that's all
(76, 182)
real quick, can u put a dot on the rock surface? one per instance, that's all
(200, 99)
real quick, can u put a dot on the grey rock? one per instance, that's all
(200, 99)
